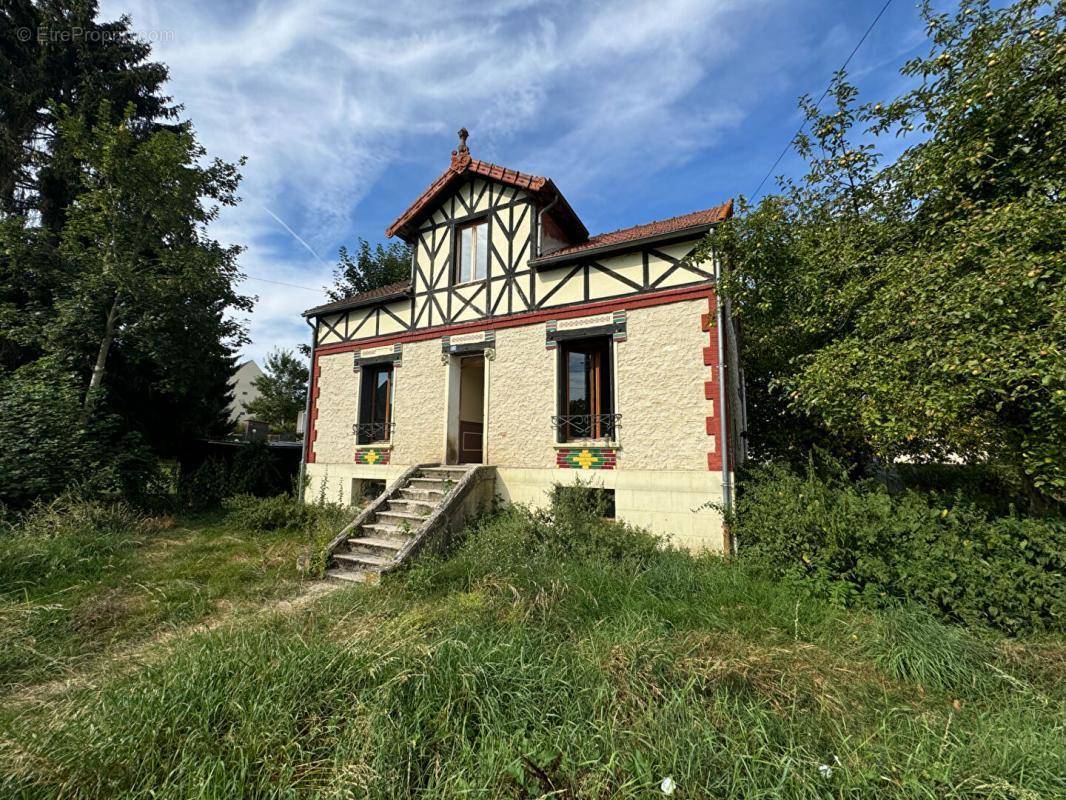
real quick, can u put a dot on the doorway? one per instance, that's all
(471, 410)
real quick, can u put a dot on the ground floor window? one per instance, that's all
(586, 405)
(375, 404)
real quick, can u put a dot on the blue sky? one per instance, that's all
(347, 109)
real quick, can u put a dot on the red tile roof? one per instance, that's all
(695, 219)
(462, 164)
(386, 292)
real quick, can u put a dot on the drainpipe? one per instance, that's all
(307, 411)
(540, 222)
(727, 488)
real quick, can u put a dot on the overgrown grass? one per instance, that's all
(78, 579)
(557, 655)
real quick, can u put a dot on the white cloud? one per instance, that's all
(324, 96)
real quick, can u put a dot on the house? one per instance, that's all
(523, 343)
(242, 384)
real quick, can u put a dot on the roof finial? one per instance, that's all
(463, 133)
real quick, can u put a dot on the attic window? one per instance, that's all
(471, 252)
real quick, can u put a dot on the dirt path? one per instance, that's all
(129, 657)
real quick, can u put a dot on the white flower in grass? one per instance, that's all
(825, 770)
(667, 786)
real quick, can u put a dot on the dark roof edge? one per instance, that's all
(629, 244)
(356, 302)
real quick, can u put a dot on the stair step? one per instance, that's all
(365, 560)
(386, 531)
(354, 576)
(378, 541)
(422, 495)
(429, 505)
(402, 515)
(432, 481)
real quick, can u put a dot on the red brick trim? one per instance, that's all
(710, 388)
(628, 303)
(312, 428)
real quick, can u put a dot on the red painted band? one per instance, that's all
(526, 318)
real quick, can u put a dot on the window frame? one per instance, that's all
(457, 250)
(367, 390)
(601, 400)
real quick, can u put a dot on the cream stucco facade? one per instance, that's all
(661, 480)
(477, 370)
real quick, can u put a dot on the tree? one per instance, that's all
(929, 318)
(72, 60)
(110, 288)
(146, 271)
(282, 391)
(370, 268)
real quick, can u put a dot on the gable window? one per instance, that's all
(375, 404)
(471, 252)
(586, 405)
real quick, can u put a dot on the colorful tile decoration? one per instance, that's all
(586, 458)
(373, 456)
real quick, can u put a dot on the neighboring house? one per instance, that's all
(242, 384)
(523, 343)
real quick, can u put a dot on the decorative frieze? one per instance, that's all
(392, 353)
(372, 455)
(612, 323)
(467, 343)
(586, 458)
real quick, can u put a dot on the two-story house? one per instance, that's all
(524, 343)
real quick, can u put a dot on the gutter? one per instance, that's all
(727, 478)
(540, 223)
(307, 412)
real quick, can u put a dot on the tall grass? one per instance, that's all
(65, 540)
(557, 655)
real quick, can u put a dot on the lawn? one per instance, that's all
(546, 656)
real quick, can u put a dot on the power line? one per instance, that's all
(282, 283)
(799, 130)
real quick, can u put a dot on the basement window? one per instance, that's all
(591, 499)
(366, 490)
(471, 252)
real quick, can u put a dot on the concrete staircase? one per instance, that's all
(423, 503)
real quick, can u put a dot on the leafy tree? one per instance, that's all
(146, 271)
(282, 391)
(370, 268)
(920, 309)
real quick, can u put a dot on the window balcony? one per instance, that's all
(373, 432)
(575, 428)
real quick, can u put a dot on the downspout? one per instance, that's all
(540, 222)
(727, 488)
(307, 411)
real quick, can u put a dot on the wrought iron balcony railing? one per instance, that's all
(371, 432)
(586, 426)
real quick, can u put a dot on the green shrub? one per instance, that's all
(269, 513)
(205, 487)
(64, 541)
(533, 545)
(861, 543)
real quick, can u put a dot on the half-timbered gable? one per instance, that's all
(524, 343)
(489, 242)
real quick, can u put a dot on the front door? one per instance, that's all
(471, 409)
